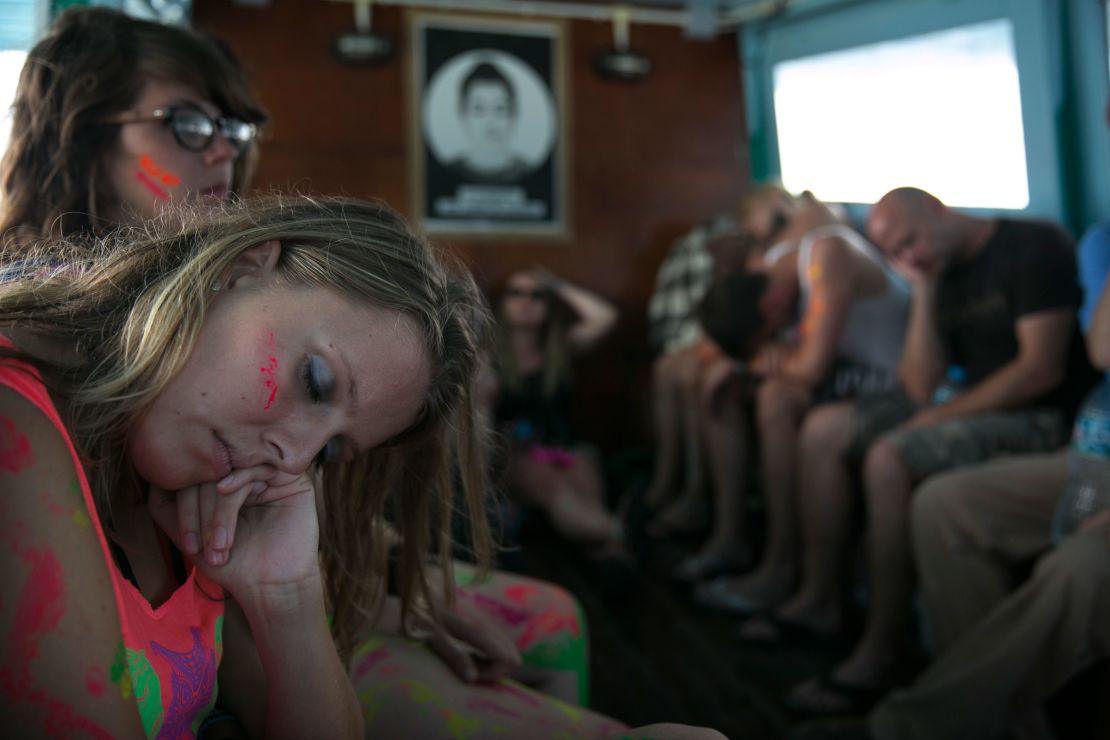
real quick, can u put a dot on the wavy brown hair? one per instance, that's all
(92, 65)
(129, 308)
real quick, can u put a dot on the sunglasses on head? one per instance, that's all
(195, 130)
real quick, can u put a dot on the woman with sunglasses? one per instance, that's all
(542, 322)
(116, 117)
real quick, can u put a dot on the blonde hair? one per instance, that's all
(134, 303)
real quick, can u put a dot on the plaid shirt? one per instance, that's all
(680, 284)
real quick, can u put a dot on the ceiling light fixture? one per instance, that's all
(362, 46)
(621, 63)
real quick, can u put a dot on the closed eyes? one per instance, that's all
(319, 382)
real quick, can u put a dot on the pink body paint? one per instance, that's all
(15, 448)
(508, 688)
(39, 611)
(152, 186)
(164, 176)
(372, 659)
(490, 707)
(269, 374)
(95, 681)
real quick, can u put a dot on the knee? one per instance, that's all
(663, 370)
(774, 404)
(885, 473)
(826, 430)
(1081, 562)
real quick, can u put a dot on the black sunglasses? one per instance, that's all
(538, 294)
(195, 130)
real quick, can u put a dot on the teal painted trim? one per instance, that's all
(762, 143)
(1090, 84)
(1067, 130)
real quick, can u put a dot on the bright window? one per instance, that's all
(11, 63)
(940, 111)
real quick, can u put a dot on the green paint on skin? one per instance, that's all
(119, 674)
(571, 653)
(370, 702)
(80, 518)
(459, 726)
(574, 714)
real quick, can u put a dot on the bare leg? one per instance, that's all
(825, 501)
(780, 405)
(888, 485)
(690, 511)
(571, 497)
(667, 413)
(727, 445)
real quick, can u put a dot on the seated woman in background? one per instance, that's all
(542, 321)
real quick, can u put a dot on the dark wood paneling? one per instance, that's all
(646, 161)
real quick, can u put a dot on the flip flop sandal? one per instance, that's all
(716, 594)
(788, 633)
(852, 699)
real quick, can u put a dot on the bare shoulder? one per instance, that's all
(59, 605)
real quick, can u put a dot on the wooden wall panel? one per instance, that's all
(645, 161)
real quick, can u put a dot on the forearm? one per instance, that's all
(923, 358)
(595, 314)
(308, 693)
(1098, 333)
(1009, 387)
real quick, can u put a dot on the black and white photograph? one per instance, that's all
(488, 133)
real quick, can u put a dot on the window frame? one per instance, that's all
(830, 26)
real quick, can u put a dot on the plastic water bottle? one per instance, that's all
(953, 385)
(1088, 488)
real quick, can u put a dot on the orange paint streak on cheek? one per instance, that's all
(15, 449)
(164, 176)
(269, 374)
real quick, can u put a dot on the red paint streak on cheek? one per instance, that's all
(158, 192)
(15, 449)
(95, 681)
(269, 375)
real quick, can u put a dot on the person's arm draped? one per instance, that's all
(58, 611)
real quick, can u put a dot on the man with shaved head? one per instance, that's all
(995, 297)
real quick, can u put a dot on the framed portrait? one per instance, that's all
(488, 125)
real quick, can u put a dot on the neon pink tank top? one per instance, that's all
(170, 653)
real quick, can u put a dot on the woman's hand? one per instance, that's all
(254, 531)
(471, 644)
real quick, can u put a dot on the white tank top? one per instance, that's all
(874, 327)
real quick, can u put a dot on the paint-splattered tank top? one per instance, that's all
(169, 654)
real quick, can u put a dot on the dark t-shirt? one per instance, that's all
(530, 416)
(1024, 268)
